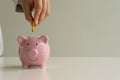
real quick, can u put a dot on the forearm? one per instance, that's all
(18, 7)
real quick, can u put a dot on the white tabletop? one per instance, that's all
(63, 68)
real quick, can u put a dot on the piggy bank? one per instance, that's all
(33, 50)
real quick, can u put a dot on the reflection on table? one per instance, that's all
(34, 74)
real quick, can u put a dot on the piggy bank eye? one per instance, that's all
(36, 44)
(27, 43)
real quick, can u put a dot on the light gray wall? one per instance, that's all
(75, 27)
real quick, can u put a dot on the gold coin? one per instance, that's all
(33, 26)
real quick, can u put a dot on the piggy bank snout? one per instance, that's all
(33, 53)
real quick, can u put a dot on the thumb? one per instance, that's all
(28, 15)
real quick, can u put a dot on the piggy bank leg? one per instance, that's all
(25, 66)
(42, 66)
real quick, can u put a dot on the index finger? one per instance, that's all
(38, 9)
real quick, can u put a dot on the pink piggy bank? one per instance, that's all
(33, 51)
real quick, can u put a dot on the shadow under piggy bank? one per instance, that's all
(34, 74)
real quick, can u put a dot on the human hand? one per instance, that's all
(41, 10)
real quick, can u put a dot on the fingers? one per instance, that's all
(38, 9)
(48, 9)
(27, 10)
(42, 10)
(28, 15)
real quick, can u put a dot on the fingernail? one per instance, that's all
(35, 22)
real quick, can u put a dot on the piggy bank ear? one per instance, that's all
(44, 38)
(21, 39)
